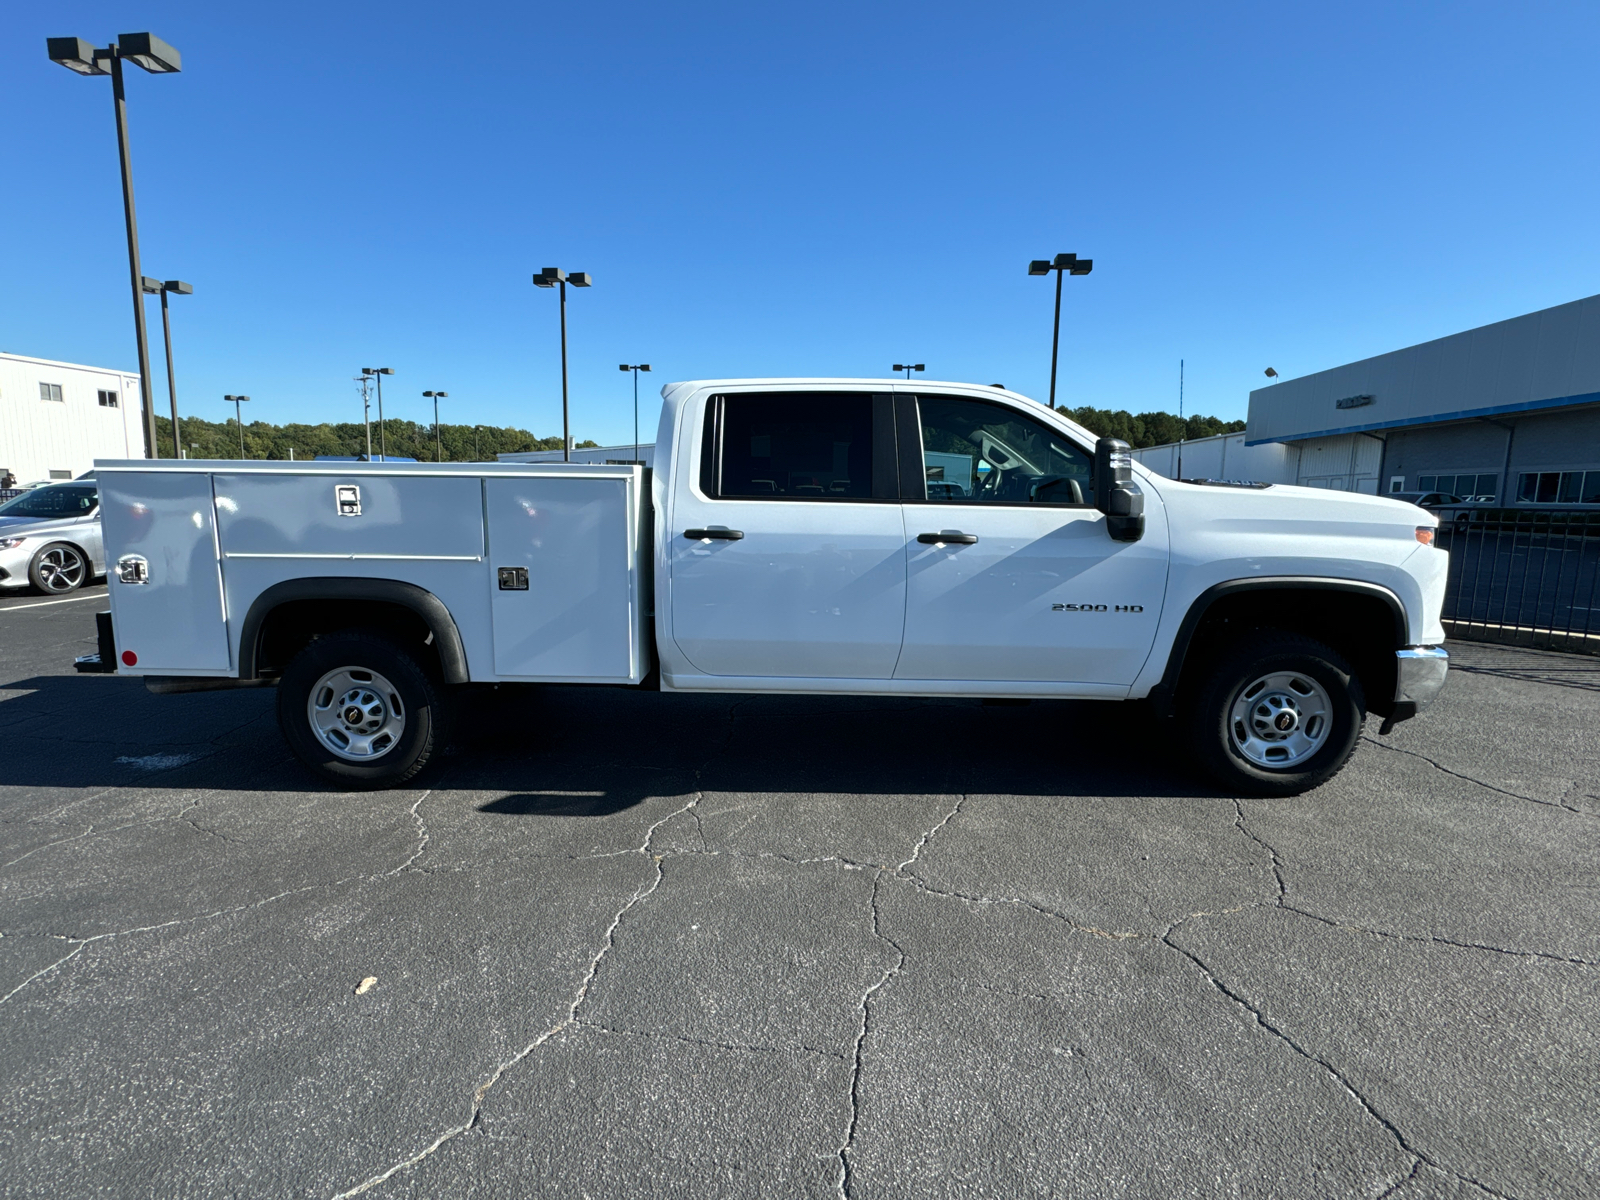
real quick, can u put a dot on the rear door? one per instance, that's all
(788, 551)
(1011, 574)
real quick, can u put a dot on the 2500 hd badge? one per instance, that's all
(1129, 608)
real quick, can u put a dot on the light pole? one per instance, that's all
(635, 368)
(1063, 264)
(476, 452)
(364, 382)
(908, 368)
(150, 52)
(383, 437)
(438, 441)
(238, 417)
(551, 277)
(178, 286)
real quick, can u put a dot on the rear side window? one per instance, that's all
(795, 446)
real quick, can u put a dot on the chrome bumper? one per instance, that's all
(1419, 675)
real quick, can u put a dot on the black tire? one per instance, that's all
(1216, 734)
(412, 701)
(58, 568)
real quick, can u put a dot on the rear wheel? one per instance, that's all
(58, 568)
(359, 711)
(1277, 714)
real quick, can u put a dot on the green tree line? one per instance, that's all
(407, 439)
(1147, 428)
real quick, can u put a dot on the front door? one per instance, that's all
(1011, 574)
(788, 557)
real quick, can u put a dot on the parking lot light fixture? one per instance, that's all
(238, 417)
(179, 288)
(1062, 264)
(555, 277)
(152, 54)
(438, 440)
(635, 368)
(908, 368)
(378, 373)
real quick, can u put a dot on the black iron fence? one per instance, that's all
(1525, 576)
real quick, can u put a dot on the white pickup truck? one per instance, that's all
(796, 535)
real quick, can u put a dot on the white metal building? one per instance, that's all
(56, 418)
(589, 454)
(1224, 456)
(1508, 413)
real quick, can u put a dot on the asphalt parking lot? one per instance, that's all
(642, 945)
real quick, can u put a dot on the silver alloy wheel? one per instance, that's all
(356, 713)
(61, 569)
(1280, 720)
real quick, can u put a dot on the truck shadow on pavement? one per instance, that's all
(592, 752)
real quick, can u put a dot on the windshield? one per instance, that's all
(52, 502)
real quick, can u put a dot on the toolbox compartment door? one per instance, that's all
(174, 622)
(564, 574)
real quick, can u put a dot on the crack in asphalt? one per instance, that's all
(846, 1178)
(41, 973)
(579, 996)
(1435, 939)
(608, 941)
(1344, 1081)
(80, 942)
(1439, 766)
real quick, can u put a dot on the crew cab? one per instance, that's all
(820, 536)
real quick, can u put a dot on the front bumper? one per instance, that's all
(1419, 674)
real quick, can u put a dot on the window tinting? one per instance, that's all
(52, 502)
(796, 446)
(976, 452)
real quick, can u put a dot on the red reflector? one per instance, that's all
(129, 658)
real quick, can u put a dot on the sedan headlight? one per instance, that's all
(10, 543)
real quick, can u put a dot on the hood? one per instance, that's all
(1269, 506)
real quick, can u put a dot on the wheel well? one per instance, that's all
(1364, 627)
(290, 626)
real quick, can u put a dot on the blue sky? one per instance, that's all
(803, 189)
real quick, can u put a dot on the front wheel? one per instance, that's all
(359, 711)
(58, 568)
(1278, 714)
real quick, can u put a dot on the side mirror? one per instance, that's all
(1115, 492)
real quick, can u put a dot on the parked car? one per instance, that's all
(788, 540)
(1426, 499)
(50, 538)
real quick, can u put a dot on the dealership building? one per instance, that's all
(1506, 414)
(56, 418)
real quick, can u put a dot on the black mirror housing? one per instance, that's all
(1115, 492)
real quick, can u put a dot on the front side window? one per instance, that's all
(794, 446)
(975, 452)
(50, 391)
(52, 502)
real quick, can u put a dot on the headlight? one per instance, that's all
(11, 542)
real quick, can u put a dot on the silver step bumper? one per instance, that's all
(1419, 675)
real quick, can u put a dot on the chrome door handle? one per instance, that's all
(951, 537)
(727, 535)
